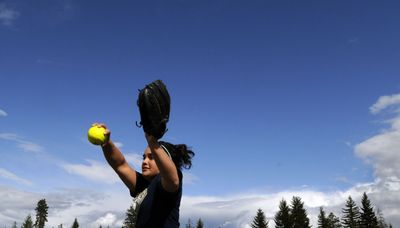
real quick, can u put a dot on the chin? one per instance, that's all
(148, 175)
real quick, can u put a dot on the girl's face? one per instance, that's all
(149, 166)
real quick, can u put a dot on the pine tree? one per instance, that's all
(351, 214)
(334, 221)
(323, 221)
(60, 226)
(282, 217)
(200, 223)
(368, 217)
(41, 213)
(14, 225)
(189, 224)
(75, 224)
(381, 220)
(259, 220)
(299, 214)
(130, 219)
(28, 223)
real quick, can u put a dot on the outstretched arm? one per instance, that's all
(117, 161)
(168, 170)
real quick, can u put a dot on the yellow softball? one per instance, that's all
(96, 135)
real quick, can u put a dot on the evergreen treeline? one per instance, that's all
(199, 224)
(295, 216)
(288, 216)
(41, 218)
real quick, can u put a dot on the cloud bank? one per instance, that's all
(93, 208)
(96, 171)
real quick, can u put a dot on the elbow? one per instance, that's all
(171, 186)
(173, 189)
(120, 166)
(175, 185)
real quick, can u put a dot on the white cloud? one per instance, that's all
(239, 210)
(189, 178)
(7, 15)
(382, 151)
(88, 206)
(3, 113)
(107, 220)
(30, 146)
(9, 136)
(93, 208)
(22, 143)
(384, 102)
(96, 171)
(15, 204)
(11, 176)
(101, 171)
(134, 159)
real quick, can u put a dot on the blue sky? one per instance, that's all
(276, 98)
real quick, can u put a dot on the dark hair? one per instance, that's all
(180, 153)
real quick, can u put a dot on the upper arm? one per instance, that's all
(127, 175)
(172, 186)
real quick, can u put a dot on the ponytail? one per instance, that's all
(180, 153)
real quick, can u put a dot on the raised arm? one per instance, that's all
(168, 170)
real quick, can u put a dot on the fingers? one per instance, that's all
(99, 125)
(107, 132)
(96, 124)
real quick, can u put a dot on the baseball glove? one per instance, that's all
(154, 106)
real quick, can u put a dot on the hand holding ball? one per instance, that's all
(96, 135)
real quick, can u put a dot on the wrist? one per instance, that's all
(153, 143)
(106, 144)
(151, 140)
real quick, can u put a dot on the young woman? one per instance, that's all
(157, 191)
